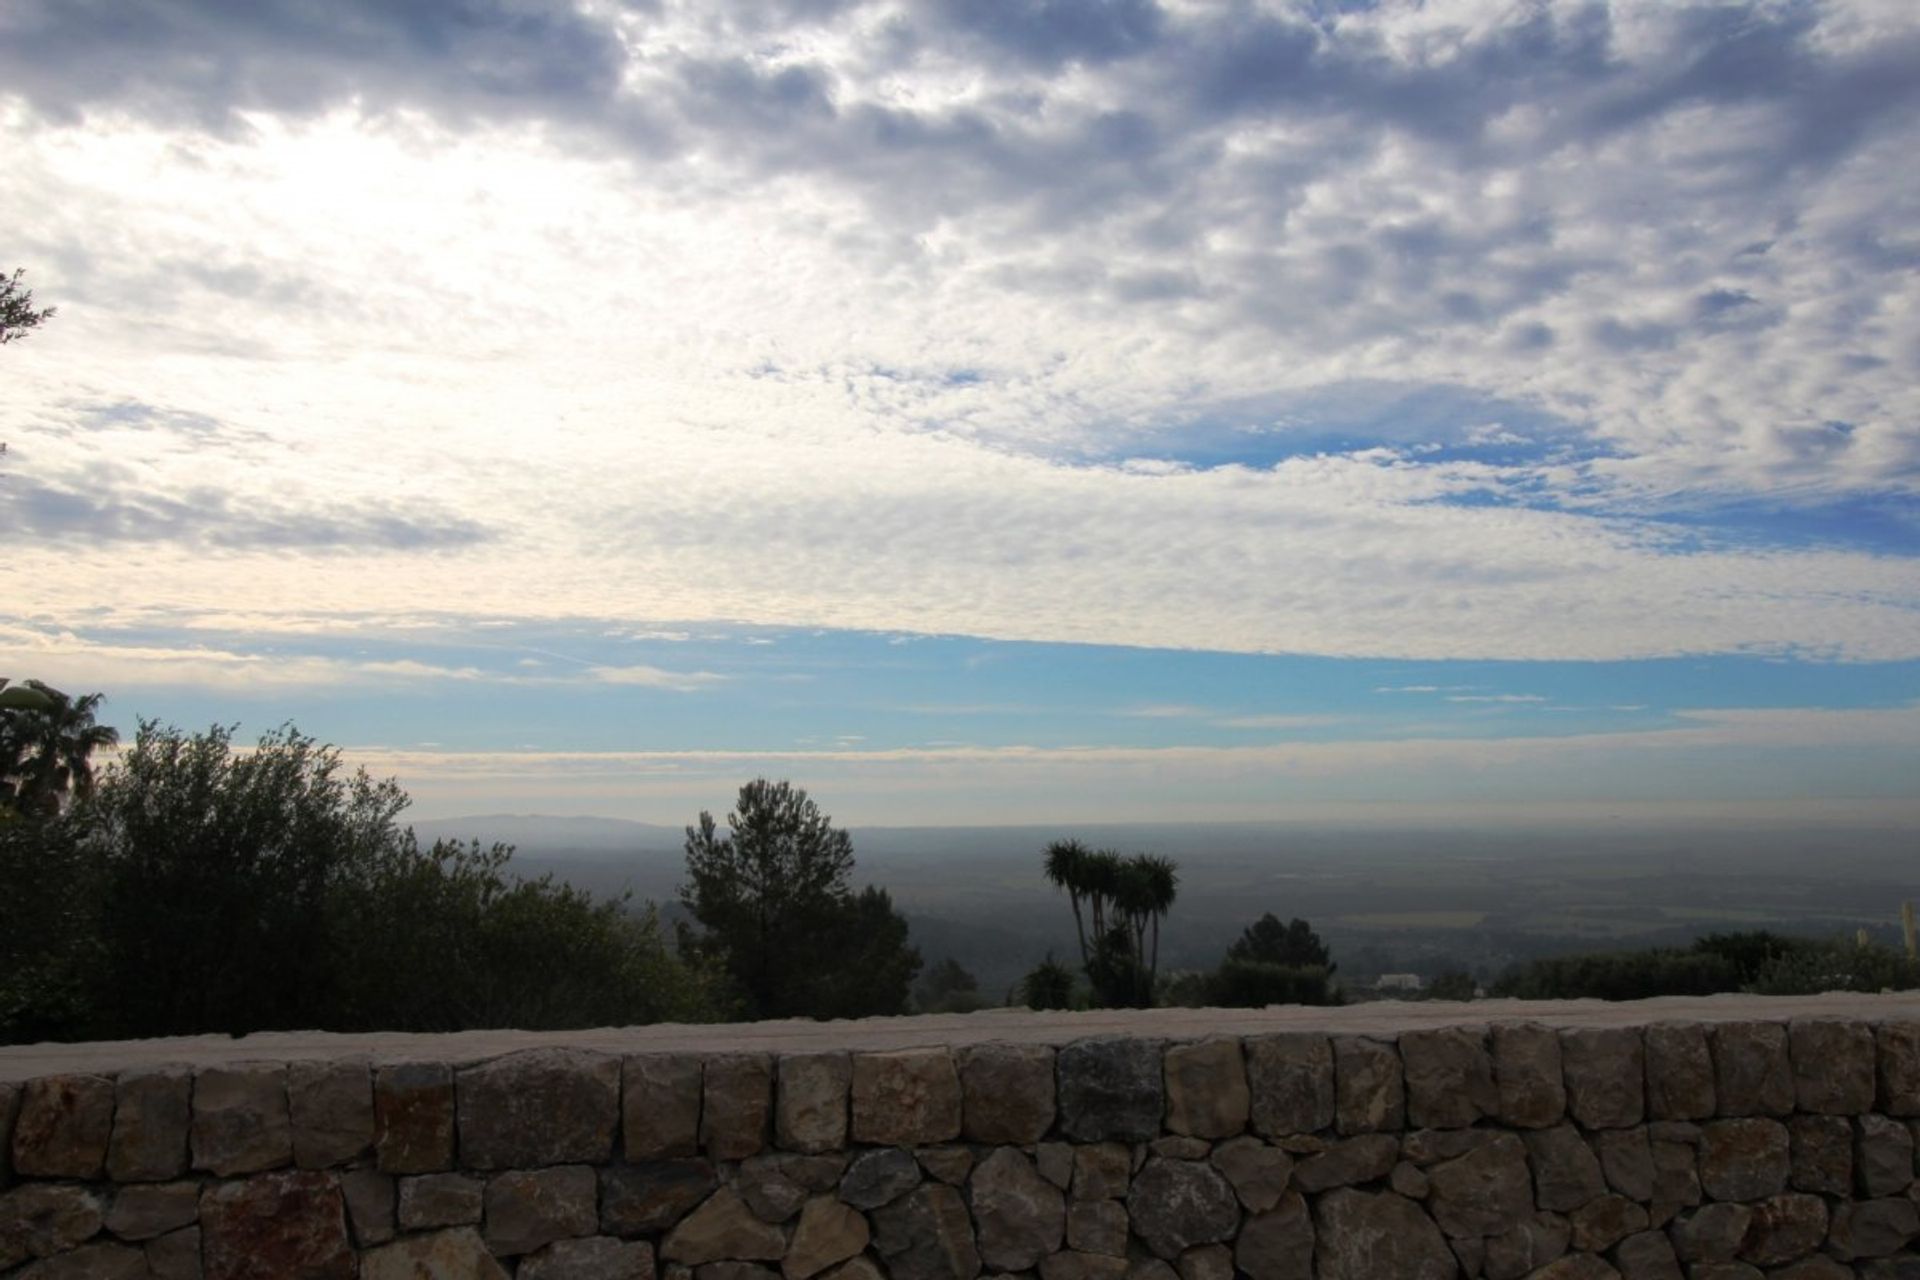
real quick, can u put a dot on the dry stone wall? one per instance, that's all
(1717, 1151)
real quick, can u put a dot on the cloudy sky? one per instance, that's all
(982, 410)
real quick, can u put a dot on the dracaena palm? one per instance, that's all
(1065, 862)
(52, 748)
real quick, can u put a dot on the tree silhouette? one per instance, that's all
(1126, 898)
(17, 316)
(47, 751)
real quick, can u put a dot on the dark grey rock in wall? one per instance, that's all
(1369, 1092)
(240, 1118)
(538, 1107)
(1007, 1092)
(153, 1110)
(1528, 1075)
(1360, 1235)
(660, 1105)
(1752, 1073)
(1110, 1090)
(1833, 1066)
(1290, 1083)
(1449, 1077)
(61, 1127)
(926, 1235)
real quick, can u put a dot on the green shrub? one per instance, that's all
(1254, 984)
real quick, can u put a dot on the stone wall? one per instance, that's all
(1703, 1150)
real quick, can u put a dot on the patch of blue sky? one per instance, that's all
(1887, 524)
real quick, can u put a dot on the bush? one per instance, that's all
(1621, 975)
(50, 953)
(1814, 966)
(1048, 985)
(1254, 984)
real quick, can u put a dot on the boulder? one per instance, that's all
(592, 1258)
(905, 1097)
(1883, 1156)
(1897, 1067)
(41, 1219)
(880, 1177)
(810, 1106)
(431, 1200)
(769, 1192)
(926, 1235)
(1820, 1154)
(1784, 1227)
(240, 1119)
(528, 1208)
(1833, 1066)
(1098, 1226)
(272, 1225)
(1006, 1092)
(1528, 1076)
(1566, 1174)
(1101, 1171)
(1258, 1172)
(153, 1110)
(1449, 1077)
(723, 1228)
(1529, 1244)
(737, 1104)
(1605, 1069)
(1177, 1204)
(828, 1233)
(1600, 1224)
(1206, 1088)
(539, 1107)
(445, 1255)
(1752, 1072)
(1367, 1236)
(1290, 1083)
(62, 1126)
(652, 1196)
(1275, 1245)
(1110, 1090)
(413, 1117)
(1207, 1262)
(1365, 1158)
(1679, 1072)
(175, 1256)
(950, 1165)
(101, 1261)
(330, 1105)
(1647, 1255)
(370, 1205)
(1873, 1228)
(1483, 1193)
(1711, 1233)
(1369, 1096)
(1744, 1159)
(153, 1209)
(1626, 1158)
(1018, 1216)
(660, 1105)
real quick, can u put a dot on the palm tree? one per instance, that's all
(1065, 865)
(50, 750)
(1161, 880)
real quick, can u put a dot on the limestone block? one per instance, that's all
(240, 1119)
(1744, 1159)
(1711, 1233)
(153, 1109)
(1018, 1216)
(905, 1097)
(539, 1107)
(875, 1178)
(1277, 1244)
(62, 1126)
(1883, 1155)
(1100, 1226)
(592, 1258)
(1449, 1077)
(526, 1209)
(1290, 1083)
(926, 1235)
(828, 1234)
(1532, 1243)
(1679, 1072)
(810, 1108)
(723, 1228)
(1365, 1236)
(431, 1200)
(153, 1209)
(660, 1105)
(1752, 1072)
(653, 1195)
(736, 1105)
(331, 1106)
(1177, 1204)
(1566, 1173)
(1626, 1158)
(1206, 1088)
(413, 1117)
(1833, 1066)
(1007, 1092)
(175, 1256)
(1647, 1255)
(1605, 1070)
(1110, 1090)
(1784, 1227)
(1259, 1173)
(291, 1223)
(1485, 1192)
(90, 1262)
(1600, 1224)
(1369, 1093)
(41, 1219)
(1897, 1067)
(1873, 1228)
(370, 1203)
(1529, 1076)
(1363, 1158)
(1101, 1171)
(1820, 1151)
(458, 1254)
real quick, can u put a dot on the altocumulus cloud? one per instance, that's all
(1034, 320)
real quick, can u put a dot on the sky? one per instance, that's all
(983, 411)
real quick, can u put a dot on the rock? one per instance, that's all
(1150, 1269)
(440, 1200)
(1723, 1271)
(926, 1235)
(1365, 1158)
(1277, 1244)
(413, 1117)
(594, 1258)
(829, 1233)
(1259, 1173)
(369, 1195)
(1070, 1264)
(1897, 1067)
(1179, 1147)
(1101, 1171)
(723, 1228)
(1484, 1193)
(1605, 1069)
(1369, 1096)
(1744, 1159)
(526, 1209)
(1833, 1066)
(62, 1127)
(1289, 1083)
(1711, 1233)
(9, 1108)
(1626, 1158)
(1600, 1224)
(1018, 1216)
(769, 1192)
(1207, 1262)
(1783, 1228)
(1679, 1072)
(153, 1209)
(152, 1112)
(1368, 1236)
(734, 1271)
(1883, 1156)
(175, 1256)
(1647, 1255)
(1577, 1266)
(1410, 1180)
(879, 1177)
(240, 1119)
(1110, 1090)
(1813, 1269)
(1006, 1092)
(1449, 1077)
(1676, 1177)
(42, 1219)
(274, 1225)
(1099, 1226)
(1430, 1146)
(1206, 1088)
(905, 1097)
(1531, 1243)
(90, 1262)
(1752, 1073)
(331, 1107)
(1566, 1174)
(1873, 1228)
(812, 1173)
(1054, 1160)
(861, 1268)
(636, 1198)
(660, 1105)
(1528, 1075)
(810, 1104)
(1820, 1154)
(445, 1255)
(737, 1104)
(1176, 1204)
(539, 1107)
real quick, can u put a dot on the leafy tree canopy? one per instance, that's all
(17, 315)
(1294, 944)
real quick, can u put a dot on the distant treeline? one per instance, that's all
(1757, 961)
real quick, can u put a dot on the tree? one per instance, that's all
(1066, 862)
(947, 988)
(1048, 985)
(46, 751)
(1125, 898)
(778, 914)
(1294, 944)
(17, 316)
